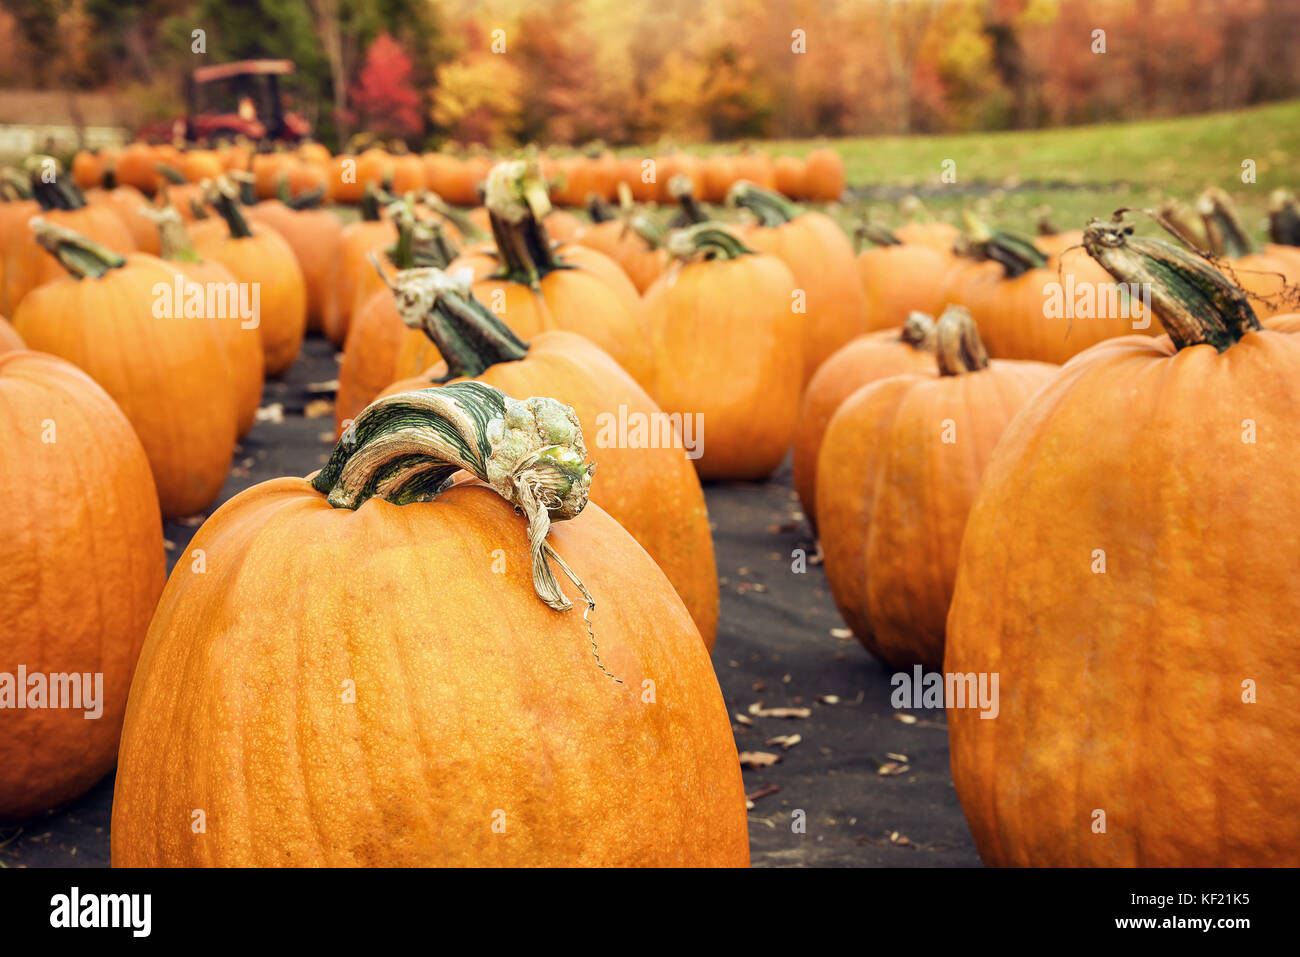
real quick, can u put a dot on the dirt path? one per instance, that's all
(776, 647)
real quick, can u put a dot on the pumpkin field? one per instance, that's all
(891, 500)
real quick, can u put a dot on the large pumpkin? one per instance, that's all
(216, 297)
(81, 567)
(340, 679)
(116, 319)
(261, 257)
(646, 480)
(867, 359)
(1128, 574)
(898, 469)
(832, 309)
(727, 350)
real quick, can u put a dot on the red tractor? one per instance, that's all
(231, 100)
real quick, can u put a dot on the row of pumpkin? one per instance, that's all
(310, 168)
(798, 344)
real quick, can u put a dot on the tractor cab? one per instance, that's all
(230, 100)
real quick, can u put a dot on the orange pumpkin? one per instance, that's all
(719, 175)
(28, 265)
(137, 165)
(81, 568)
(939, 236)
(402, 591)
(1128, 573)
(116, 319)
(128, 203)
(832, 309)
(631, 241)
(727, 350)
(788, 175)
(259, 256)
(899, 278)
(10, 341)
(222, 308)
(823, 176)
(897, 471)
(867, 359)
(357, 240)
(315, 236)
(646, 480)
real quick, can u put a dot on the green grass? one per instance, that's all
(1083, 171)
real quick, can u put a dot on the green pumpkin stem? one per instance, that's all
(50, 187)
(875, 234)
(599, 210)
(173, 238)
(223, 196)
(470, 337)
(1194, 302)
(372, 203)
(517, 202)
(682, 190)
(706, 241)
(958, 348)
(1016, 255)
(80, 255)
(772, 209)
(170, 173)
(406, 448)
(464, 225)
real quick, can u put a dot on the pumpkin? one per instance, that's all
(1030, 307)
(314, 235)
(343, 185)
(356, 242)
(537, 288)
(823, 176)
(719, 175)
(727, 350)
(898, 278)
(399, 600)
(1127, 572)
(87, 169)
(198, 165)
(939, 236)
(115, 318)
(258, 255)
(137, 165)
(376, 336)
(81, 568)
(454, 180)
(9, 338)
(897, 471)
(669, 167)
(754, 166)
(645, 482)
(28, 265)
(832, 309)
(222, 308)
(631, 240)
(128, 203)
(788, 176)
(867, 359)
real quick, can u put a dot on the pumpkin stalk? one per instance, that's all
(80, 255)
(599, 210)
(516, 200)
(682, 190)
(1284, 218)
(1194, 301)
(174, 240)
(406, 448)
(437, 204)
(706, 241)
(918, 331)
(1223, 228)
(957, 344)
(470, 338)
(772, 209)
(1015, 254)
(57, 193)
(223, 196)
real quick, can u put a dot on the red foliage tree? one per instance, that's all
(383, 100)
